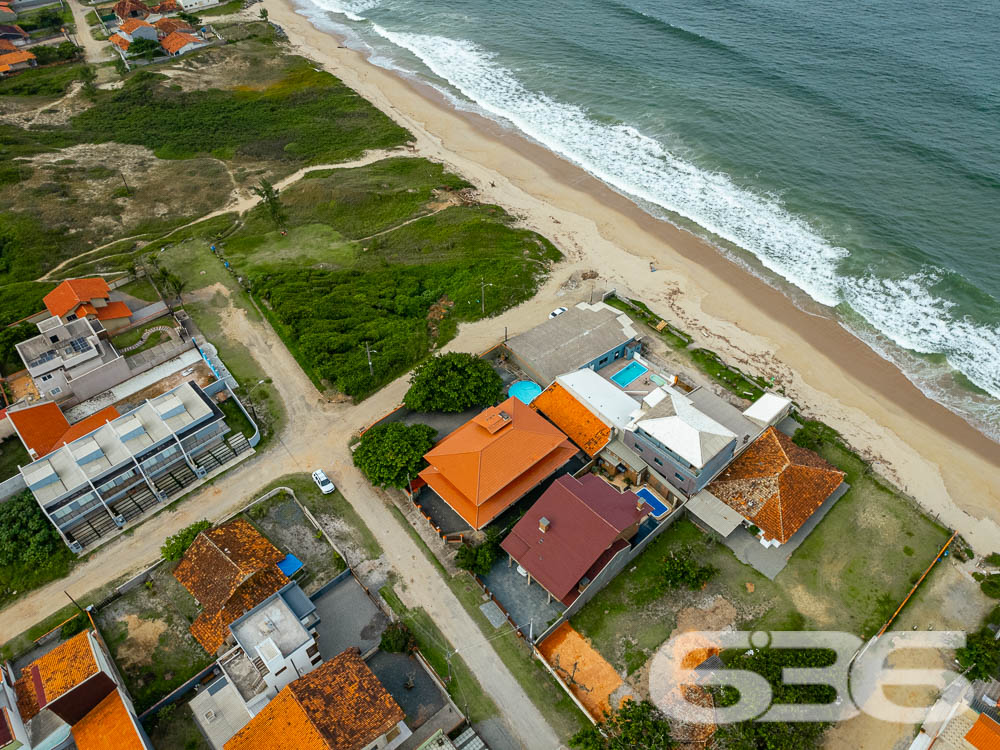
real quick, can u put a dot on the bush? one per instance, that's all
(176, 545)
(991, 586)
(633, 725)
(390, 455)
(980, 655)
(46, 55)
(813, 434)
(77, 625)
(397, 639)
(27, 537)
(680, 569)
(479, 558)
(146, 49)
(993, 559)
(453, 382)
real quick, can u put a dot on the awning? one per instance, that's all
(719, 516)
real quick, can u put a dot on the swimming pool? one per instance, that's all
(629, 373)
(659, 509)
(525, 390)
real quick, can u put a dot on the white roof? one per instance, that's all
(766, 410)
(688, 432)
(611, 404)
(714, 512)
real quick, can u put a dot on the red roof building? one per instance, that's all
(491, 461)
(984, 734)
(126, 9)
(177, 42)
(776, 485)
(44, 427)
(572, 532)
(79, 298)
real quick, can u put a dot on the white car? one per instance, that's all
(557, 312)
(323, 482)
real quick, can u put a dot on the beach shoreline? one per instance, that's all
(933, 454)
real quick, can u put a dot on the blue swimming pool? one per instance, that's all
(525, 390)
(659, 509)
(629, 373)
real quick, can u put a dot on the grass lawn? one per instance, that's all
(235, 417)
(141, 289)
(50, 82)
(850, 574)
(463, 687)
(282, 521)
(333, 513)
(173, 728)
(12, 455)
(132, 336)
(233, 6)
(147, 631)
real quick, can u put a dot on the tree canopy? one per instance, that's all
(453, 382)
(27, 537)
(391, 454)
(175, 546)
(980, 655)
(634, 725)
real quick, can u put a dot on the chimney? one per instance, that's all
(639, 502)
(543, 524)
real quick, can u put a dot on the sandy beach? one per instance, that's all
(950, 468)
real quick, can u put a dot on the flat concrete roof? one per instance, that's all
(571, 340)
(272, 620)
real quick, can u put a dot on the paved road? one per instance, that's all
(316, 435)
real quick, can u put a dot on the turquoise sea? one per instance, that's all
(848, 152)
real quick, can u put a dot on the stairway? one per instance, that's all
(239, 443)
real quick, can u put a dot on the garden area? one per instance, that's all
(133, 336)
(147, 632)
(12, 456)
(31, 551)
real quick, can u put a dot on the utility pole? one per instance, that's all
(128, 190)
(369, 351)
(482, 292)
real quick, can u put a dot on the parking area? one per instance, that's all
(348, 617)
(526, 602)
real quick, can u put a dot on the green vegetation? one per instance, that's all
(981, 653)
(391, 454)
(176, 545)
(453, 382)
(268, 195)
(235, 418)
(479, 558)
(633, 725)
(64, 52)
(991, 586)
(813, 434)
(24, 642)
(18, 301)
(681, 569)
(132, 336)
(50, 17)
(462, 685)
(77, 625)
(141, 289)
(53, 81)
(993, 559)
(146, 49)
(91, 18)
(233, 6)
(397, 639)
(174, 727)
(10, 360)
(308, 117)
(31, 550)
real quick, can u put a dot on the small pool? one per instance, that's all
(659, 509)
(629, 373)
(524, 390)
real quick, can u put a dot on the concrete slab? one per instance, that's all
(492, 613)
(527, 603)
(219, 712)
(771, 561)
(347, 618)
(414, 690)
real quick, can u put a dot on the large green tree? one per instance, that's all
(634, 725)
(980, 655)
(27, 537)
(453, 382)
(391, 454)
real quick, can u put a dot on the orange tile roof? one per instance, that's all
(108, 726)
(125, 8)
(167, 6)
(776, 485)
(56, 673)
(9, 46)
(341, 704)
(13, 58)
(229, 570)
(112, 310)
(175, 41)
(576, 420)
(44, 427)
(488, 463)
(72, 292)
(134, 23)
(985, 734)
(169, 25)
(119, 41)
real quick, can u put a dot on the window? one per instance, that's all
(46, 377)
(54, 339)
(312, 650)
(678, 476)
(638, 447)
(604, 361)
(55, 391)
(280, 671)
(618, 355)
(657, 461)
(71, 316)
(392, 733)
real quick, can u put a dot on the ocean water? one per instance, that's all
(848, 152)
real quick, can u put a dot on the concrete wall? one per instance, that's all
(621, 352)
(6, 429)
(99, 379)
(13, 486)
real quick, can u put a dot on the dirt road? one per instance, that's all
(93, 50)
(316, 435)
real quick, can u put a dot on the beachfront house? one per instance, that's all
(180, 43)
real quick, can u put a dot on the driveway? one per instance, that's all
(93, 50)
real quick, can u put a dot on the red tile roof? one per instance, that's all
(177, 40)
(585, 517)
(776, 485)
(167, 26)
(491, 461)
(73, 292)
(108, 726)
(127, 8)
(340, 705)
(110, 311)
(134, 23)
(13, 29)
(229, 569)
(44, 427)
(167, 6)
(580, 424)
(119, 41)
(6, 732)
(56, 673)
(8, 46)
(985, 734)
(14, 58)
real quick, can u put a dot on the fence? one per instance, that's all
(219, 385)
(11, 487)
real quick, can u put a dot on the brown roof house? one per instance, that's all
(776, 486)
(70, 696)
(126, 9)
(340, 705)
(491, 461)
(230, 570)
(572, 533)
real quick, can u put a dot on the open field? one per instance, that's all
(849, 574)
(140, 289)
(147, 631)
